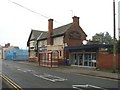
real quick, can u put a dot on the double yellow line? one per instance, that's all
(14, 85)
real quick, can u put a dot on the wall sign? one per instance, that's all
(74, 35)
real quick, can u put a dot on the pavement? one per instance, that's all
(79, 70)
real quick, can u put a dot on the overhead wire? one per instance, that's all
(33, 11)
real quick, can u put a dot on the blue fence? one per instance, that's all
(17, 54)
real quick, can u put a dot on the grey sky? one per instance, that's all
(16, 22)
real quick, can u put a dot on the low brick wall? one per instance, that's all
(105, 60)
(32, 59)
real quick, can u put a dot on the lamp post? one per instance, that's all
(114, 37)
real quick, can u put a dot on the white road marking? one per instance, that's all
(25, 70)
(16, 66)
(57, 78)
(29, 70)
(79, 87)
(9, 81)
(50, 77)
(44, 77)
(21, 70)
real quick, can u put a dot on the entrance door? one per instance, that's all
(80, 59)
(77, 59)
(73, 60)
(93, 60)
(86, 59)
(90, 59)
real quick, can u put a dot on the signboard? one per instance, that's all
(74, 35)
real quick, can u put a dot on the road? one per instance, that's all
(6, 86)
(28, 76)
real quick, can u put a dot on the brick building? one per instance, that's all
(55, 39)
(67, 40)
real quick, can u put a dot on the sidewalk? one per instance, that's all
(80, 70)
(87, 71)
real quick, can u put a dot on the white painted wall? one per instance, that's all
(58, 41)
(41, 43)
(33, 43)
(32, 54)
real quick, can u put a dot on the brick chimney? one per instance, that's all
(75, 20)
(50, 30)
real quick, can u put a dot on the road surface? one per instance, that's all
(28, 76)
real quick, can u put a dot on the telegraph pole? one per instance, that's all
(114, 38)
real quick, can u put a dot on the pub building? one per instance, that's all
(64, 45)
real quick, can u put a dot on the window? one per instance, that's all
(75, 56)
(60, 53)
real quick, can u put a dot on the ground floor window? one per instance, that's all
(83, 59)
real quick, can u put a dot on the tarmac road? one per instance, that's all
(27, 76)
(5, 86)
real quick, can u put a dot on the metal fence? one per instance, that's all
(48, 58)
(17, 54)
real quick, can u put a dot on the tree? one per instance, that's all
(103, 38)
(118, 46)
(108, 39)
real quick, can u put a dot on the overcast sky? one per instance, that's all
(16, 22)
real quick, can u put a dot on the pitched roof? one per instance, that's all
(61, 30)
(57, 31)
(34, 35)
(40, 35)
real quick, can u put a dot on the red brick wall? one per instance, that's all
(32, 59)
(105, 60)
(74, 41)
(50, 29)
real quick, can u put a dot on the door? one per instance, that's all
(93, 60)
(86, 58)
(80, 59)
(90, 59)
